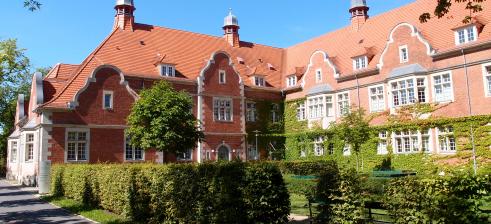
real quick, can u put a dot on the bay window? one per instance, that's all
(408, 91)
(13, 151)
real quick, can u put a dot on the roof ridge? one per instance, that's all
(80, 68)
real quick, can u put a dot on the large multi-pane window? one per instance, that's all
(316, 107)
(377, 101)
(446, 140)
(251, 112)
(382, 144)
(442, 87)
(406, 141)
(77, 146)
(425, 140)
(465, 35)
(487, 79)
(185, 156)
(301, 111)
(29, 147)
(360, 62)
(13, 151)
(275, 113)
(319, 146)
(408, 91)
(343, 103)
(131, 152)
(222, 109)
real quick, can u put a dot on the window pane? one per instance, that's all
(81, 151)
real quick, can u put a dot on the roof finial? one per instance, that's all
(230, 11)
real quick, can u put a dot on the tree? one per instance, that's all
(355, 130)
(162, 119)
(443, 7)
(32, 5)
(14, 79)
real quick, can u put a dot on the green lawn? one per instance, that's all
(95, 214)
(299, 204)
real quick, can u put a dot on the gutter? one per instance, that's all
(468, 48)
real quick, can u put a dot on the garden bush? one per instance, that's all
(306, 167)
(180, 193)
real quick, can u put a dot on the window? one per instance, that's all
(343, 103)
(319, 146)
(291, 81)
(465, 35)
(446, 140)
(316, 107)
(301, 111)
(331, 148)
(222, 77)
(29, 147)
(259, 81)
(403, 54)
(487, 80)
(251, 113)
(168, 70)
(360, 62)
(185, 156)
(347, 150)
(222, 109)
(377, 101)
(77, 146)
(404, 92)
(132, 153)
(425, 140)
(13, 152)
(406, 141)
(442, 87)
(318, 75)
(107, 101)
(275, 113)
(252, 153)
(329, 106)
(382, 143)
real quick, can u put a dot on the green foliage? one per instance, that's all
(32, 5)
(162, 118)
(306, 167)
(292, 125)
(355, 130)
(455, 199)
(350, 206)
(185, 193)
(443, 8)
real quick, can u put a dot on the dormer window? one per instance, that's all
(291, 81)
(360, 62)
(403, 54)
(465, 35)
(259, 81)
(222, 77)
(168, 70)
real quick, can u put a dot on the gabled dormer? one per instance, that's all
(360, 62)
(167, 70)
(258, 80)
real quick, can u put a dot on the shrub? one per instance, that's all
(186, 193)
(306, 167)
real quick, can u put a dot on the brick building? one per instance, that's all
(77, 113)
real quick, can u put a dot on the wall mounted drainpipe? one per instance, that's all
(358, 90)
(470, 112)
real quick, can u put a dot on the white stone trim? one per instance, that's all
(326, 60)
(487, 91)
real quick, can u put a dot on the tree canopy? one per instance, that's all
(443, 8)
(355, 130)
(162, 119)
(32, 5)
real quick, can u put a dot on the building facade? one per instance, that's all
(77, 113)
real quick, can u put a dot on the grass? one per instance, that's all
(95, 214)
(299, 204)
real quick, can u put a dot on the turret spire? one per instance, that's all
(124, 18)
(231, 28)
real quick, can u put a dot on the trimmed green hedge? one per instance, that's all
(185, 193)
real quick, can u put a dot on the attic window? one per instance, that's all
(360, 62)
(291, 81)
(240, 60)
(270, 67)
(259, 81)
(167, 70)
(465, 35)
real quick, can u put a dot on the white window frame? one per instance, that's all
(29, 155)
(133, 149)
(14, 157)
(360, 62)
(411, 135)
(222, 77)
(252, 152)
(180, 158)
(465, 31)
(275, 113)
(111, 101)
(87, 148)
(447, 135)
(259, 81)
(382, 144)
(301, 111)
(403, 58)
(347, 150)
(415, 89)
(318, 75)
(315, 107)
(377, 108)
(164, 70)
(451, 97)
(319, 146)
(230, 111)
(291, 81)
(251, 112)
(486, 75)
(340, 106)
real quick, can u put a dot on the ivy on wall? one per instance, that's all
(299, 142)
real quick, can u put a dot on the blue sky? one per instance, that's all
(67, 31)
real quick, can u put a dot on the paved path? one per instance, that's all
(19, 205)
